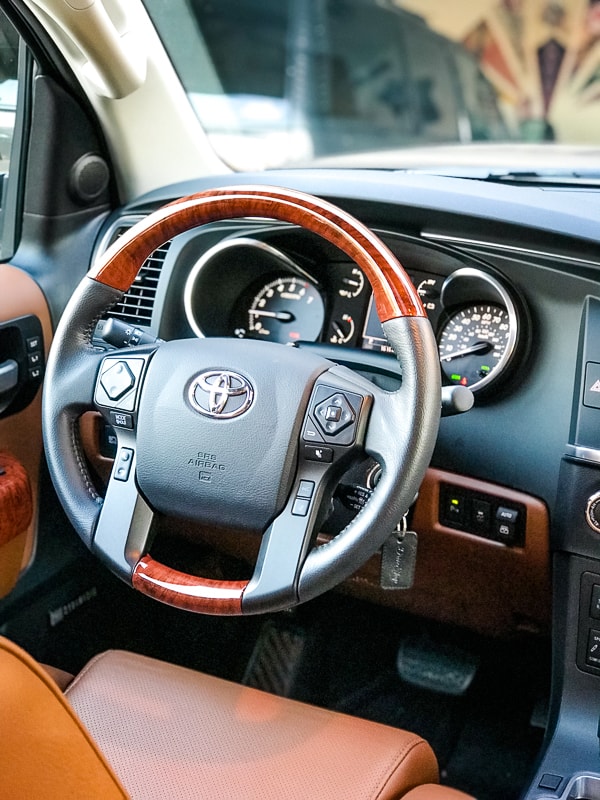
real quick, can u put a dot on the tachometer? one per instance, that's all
(474, 343)
(286, 310)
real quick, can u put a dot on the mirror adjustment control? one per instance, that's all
(592, 512)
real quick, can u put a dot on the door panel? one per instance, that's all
(21, 431)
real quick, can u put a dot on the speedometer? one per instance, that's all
(475, 342)
(287, 309)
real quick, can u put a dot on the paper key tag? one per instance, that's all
(398, 560)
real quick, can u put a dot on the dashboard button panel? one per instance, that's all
(588, 643)
(482, 515)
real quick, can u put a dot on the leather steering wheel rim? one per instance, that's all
(400, 433)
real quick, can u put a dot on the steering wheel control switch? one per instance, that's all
(117, 382)
(332, 416)
(304, 495)
(123, 464)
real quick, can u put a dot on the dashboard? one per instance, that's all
(287, 288)
(505, 296)
(281, 284)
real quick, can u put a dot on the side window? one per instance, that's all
(15, 65)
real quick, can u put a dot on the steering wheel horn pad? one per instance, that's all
(216, 470)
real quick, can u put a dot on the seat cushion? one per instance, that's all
(172, 732)
(45, 751)
(436, 792)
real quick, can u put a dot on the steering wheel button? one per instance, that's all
(334, 414)
(311, 433)
(595, 602)
(123, 464)
(306, 489)
(117, 380)
(316, 453)
(300, 507)
(119, 420)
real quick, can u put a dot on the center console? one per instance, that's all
(570, 765)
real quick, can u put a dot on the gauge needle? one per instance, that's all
(281, 316)
(480, 347)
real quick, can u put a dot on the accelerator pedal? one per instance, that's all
(437, 666)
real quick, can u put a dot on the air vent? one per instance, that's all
(138, 302)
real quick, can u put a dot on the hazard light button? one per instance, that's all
(591, 393)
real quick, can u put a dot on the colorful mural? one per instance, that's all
(542, 56)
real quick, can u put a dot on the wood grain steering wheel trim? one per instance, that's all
(201, 595)
(394, 294)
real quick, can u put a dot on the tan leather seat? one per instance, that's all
(170, 732)
(432, 791)
(45, 751)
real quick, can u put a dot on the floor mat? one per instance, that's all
(275, 661)
(436, 717)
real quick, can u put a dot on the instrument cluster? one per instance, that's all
(251, 288)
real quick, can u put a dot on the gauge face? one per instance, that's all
(342, 329)
(286, 310)
(352, 284)
(475, 342)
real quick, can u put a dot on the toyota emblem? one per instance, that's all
(220, 394)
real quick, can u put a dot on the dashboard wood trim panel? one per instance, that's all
(464, 579)
(460, 579)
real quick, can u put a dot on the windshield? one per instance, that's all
(368, 82)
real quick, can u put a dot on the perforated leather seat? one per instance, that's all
(169, 732)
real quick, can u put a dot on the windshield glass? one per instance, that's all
(377, 83)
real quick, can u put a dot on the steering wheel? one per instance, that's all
(238, 433)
